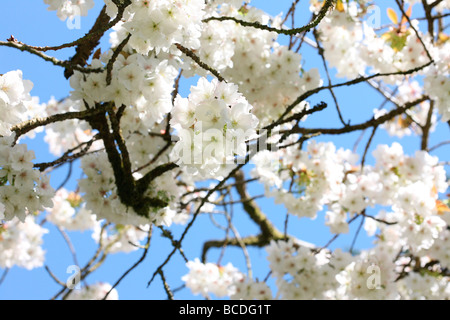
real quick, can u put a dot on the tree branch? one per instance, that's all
(370, 123)
(197, 60)
(323, 11)
(60, 63)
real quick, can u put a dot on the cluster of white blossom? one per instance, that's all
(370, 275)
(299, 273)
(303, 273)
(23, 190)
(437, 80)
(358, 46)
(144, 82)
(305, 181)
(254, 60)
(96, 291)
(440, 250)
(213, 125)
(20, 244)
(247, 289)
(351, 45)
(410, 184)
(209, 278)
(158, 24)
(316, 175)
(216, 48)
(424, 287)
(70, 8)
(14, 93)
(70, 213)
(341, 35)
(409, 278)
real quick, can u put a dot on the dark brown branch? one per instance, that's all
(66, 157)
(357, 234)
(90, 35)
(144, 182)
(85, 48)
(130, 192)
(256, 241)
(366, 149)
(53, 60)
(299, 116)
(309, 93)
(321, 53)
(197, 60)
(268, 231)
(426, 127)
(439, 16)
(125, 155)
(87, 44)
(67, 178)
(290, 11)
(236, 201)
(125, 183)
(379, 220)
(400, 6)
(24, 127)
(134, 266)
(370, 123)
(323, 11)
(197, 212)
(52, 275)
(117, 51)
(428, 14)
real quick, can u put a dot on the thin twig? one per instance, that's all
(53, 60)
(356, 234)
(134, 266)
(115, 55)
(5, 273)
(166, 286)
(312, 92)
(69, 174)
(197, 60)
(54, 277)
(321, 53)
(366, 149)
(370, 123)
(323, 11)
(443, 143)
(69, 244)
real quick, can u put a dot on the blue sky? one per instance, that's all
(31, 23)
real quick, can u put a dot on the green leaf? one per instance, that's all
(397, 41)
